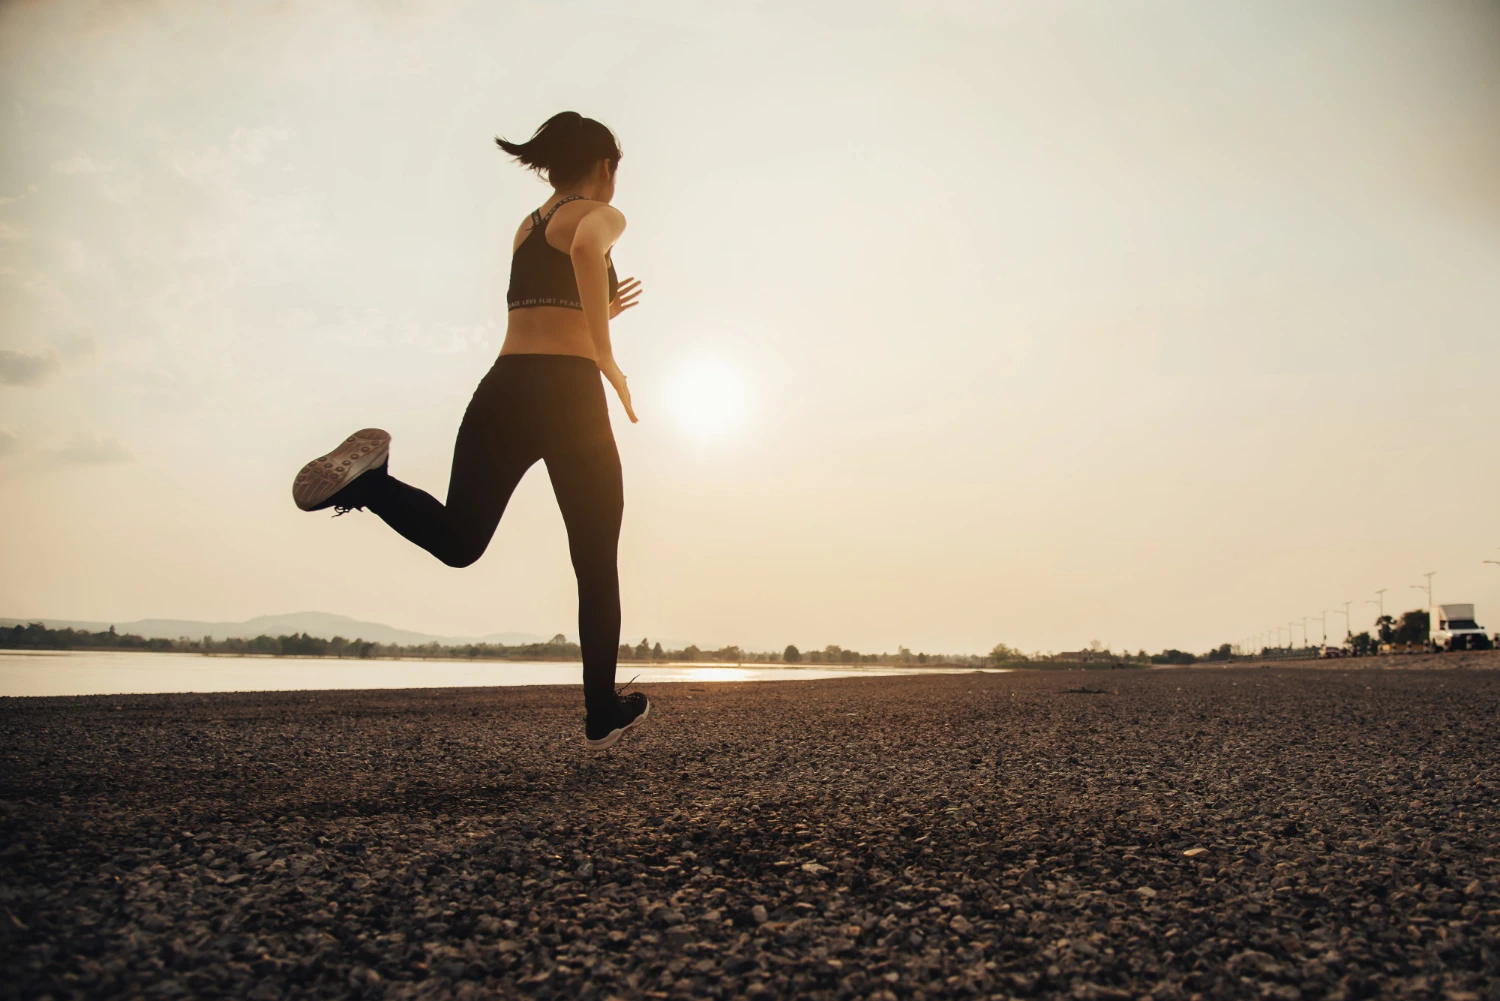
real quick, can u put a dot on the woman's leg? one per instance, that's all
(586, 479)
(493, 451)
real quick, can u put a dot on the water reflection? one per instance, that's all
(92, 672)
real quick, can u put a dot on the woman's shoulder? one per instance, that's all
(590, 220)
(604, 210)
(605, 215)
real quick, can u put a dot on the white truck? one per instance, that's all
(1452, 627)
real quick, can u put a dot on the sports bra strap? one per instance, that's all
(560, 204)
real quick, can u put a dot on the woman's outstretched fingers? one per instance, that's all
(625, 297)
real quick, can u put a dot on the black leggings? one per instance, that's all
(530, 407)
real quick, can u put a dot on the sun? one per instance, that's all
(708, 399)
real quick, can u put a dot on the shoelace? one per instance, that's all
(343, 509)
(620, 692)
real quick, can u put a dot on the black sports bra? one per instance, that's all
(542, 275)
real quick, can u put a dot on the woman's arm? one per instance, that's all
(595, 234)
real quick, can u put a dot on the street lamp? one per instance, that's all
(1427, 587)
(1348, 629)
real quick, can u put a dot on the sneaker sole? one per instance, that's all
(613, 737)
(326, 475)
(607, 741)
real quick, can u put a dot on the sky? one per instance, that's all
(1159, 324)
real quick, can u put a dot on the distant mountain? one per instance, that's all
(321, 624)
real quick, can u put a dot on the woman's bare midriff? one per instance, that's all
(547, 330)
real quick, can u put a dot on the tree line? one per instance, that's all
(1411, 627)
(36, 636)
(832, 654)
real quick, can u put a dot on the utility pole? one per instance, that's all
(1348, 632)
(1324, 619)
(1495, 562)
(1304, 629)
(1427, 587)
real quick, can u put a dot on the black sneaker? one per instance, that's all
(630, 710)
(337, 479)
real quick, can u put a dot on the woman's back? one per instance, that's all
(545, 312)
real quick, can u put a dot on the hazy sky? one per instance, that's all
(1151, 323)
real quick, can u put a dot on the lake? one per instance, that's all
(110, 672)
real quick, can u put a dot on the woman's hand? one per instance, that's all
(617, 379)
(625, 297)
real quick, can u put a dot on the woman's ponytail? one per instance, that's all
(565, 148)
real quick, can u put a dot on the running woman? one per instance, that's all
(542, 399)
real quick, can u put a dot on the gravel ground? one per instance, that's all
(1478, 660)
(1220, 833)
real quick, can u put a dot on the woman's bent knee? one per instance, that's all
(460, 557)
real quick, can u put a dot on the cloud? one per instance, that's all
(72, 347)
(368, 326)
(80, 164)
(17, 368)
(82, 449)
(91, 450)
(116, 185)
(216, 165)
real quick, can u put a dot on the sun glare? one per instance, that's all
(708, 400)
